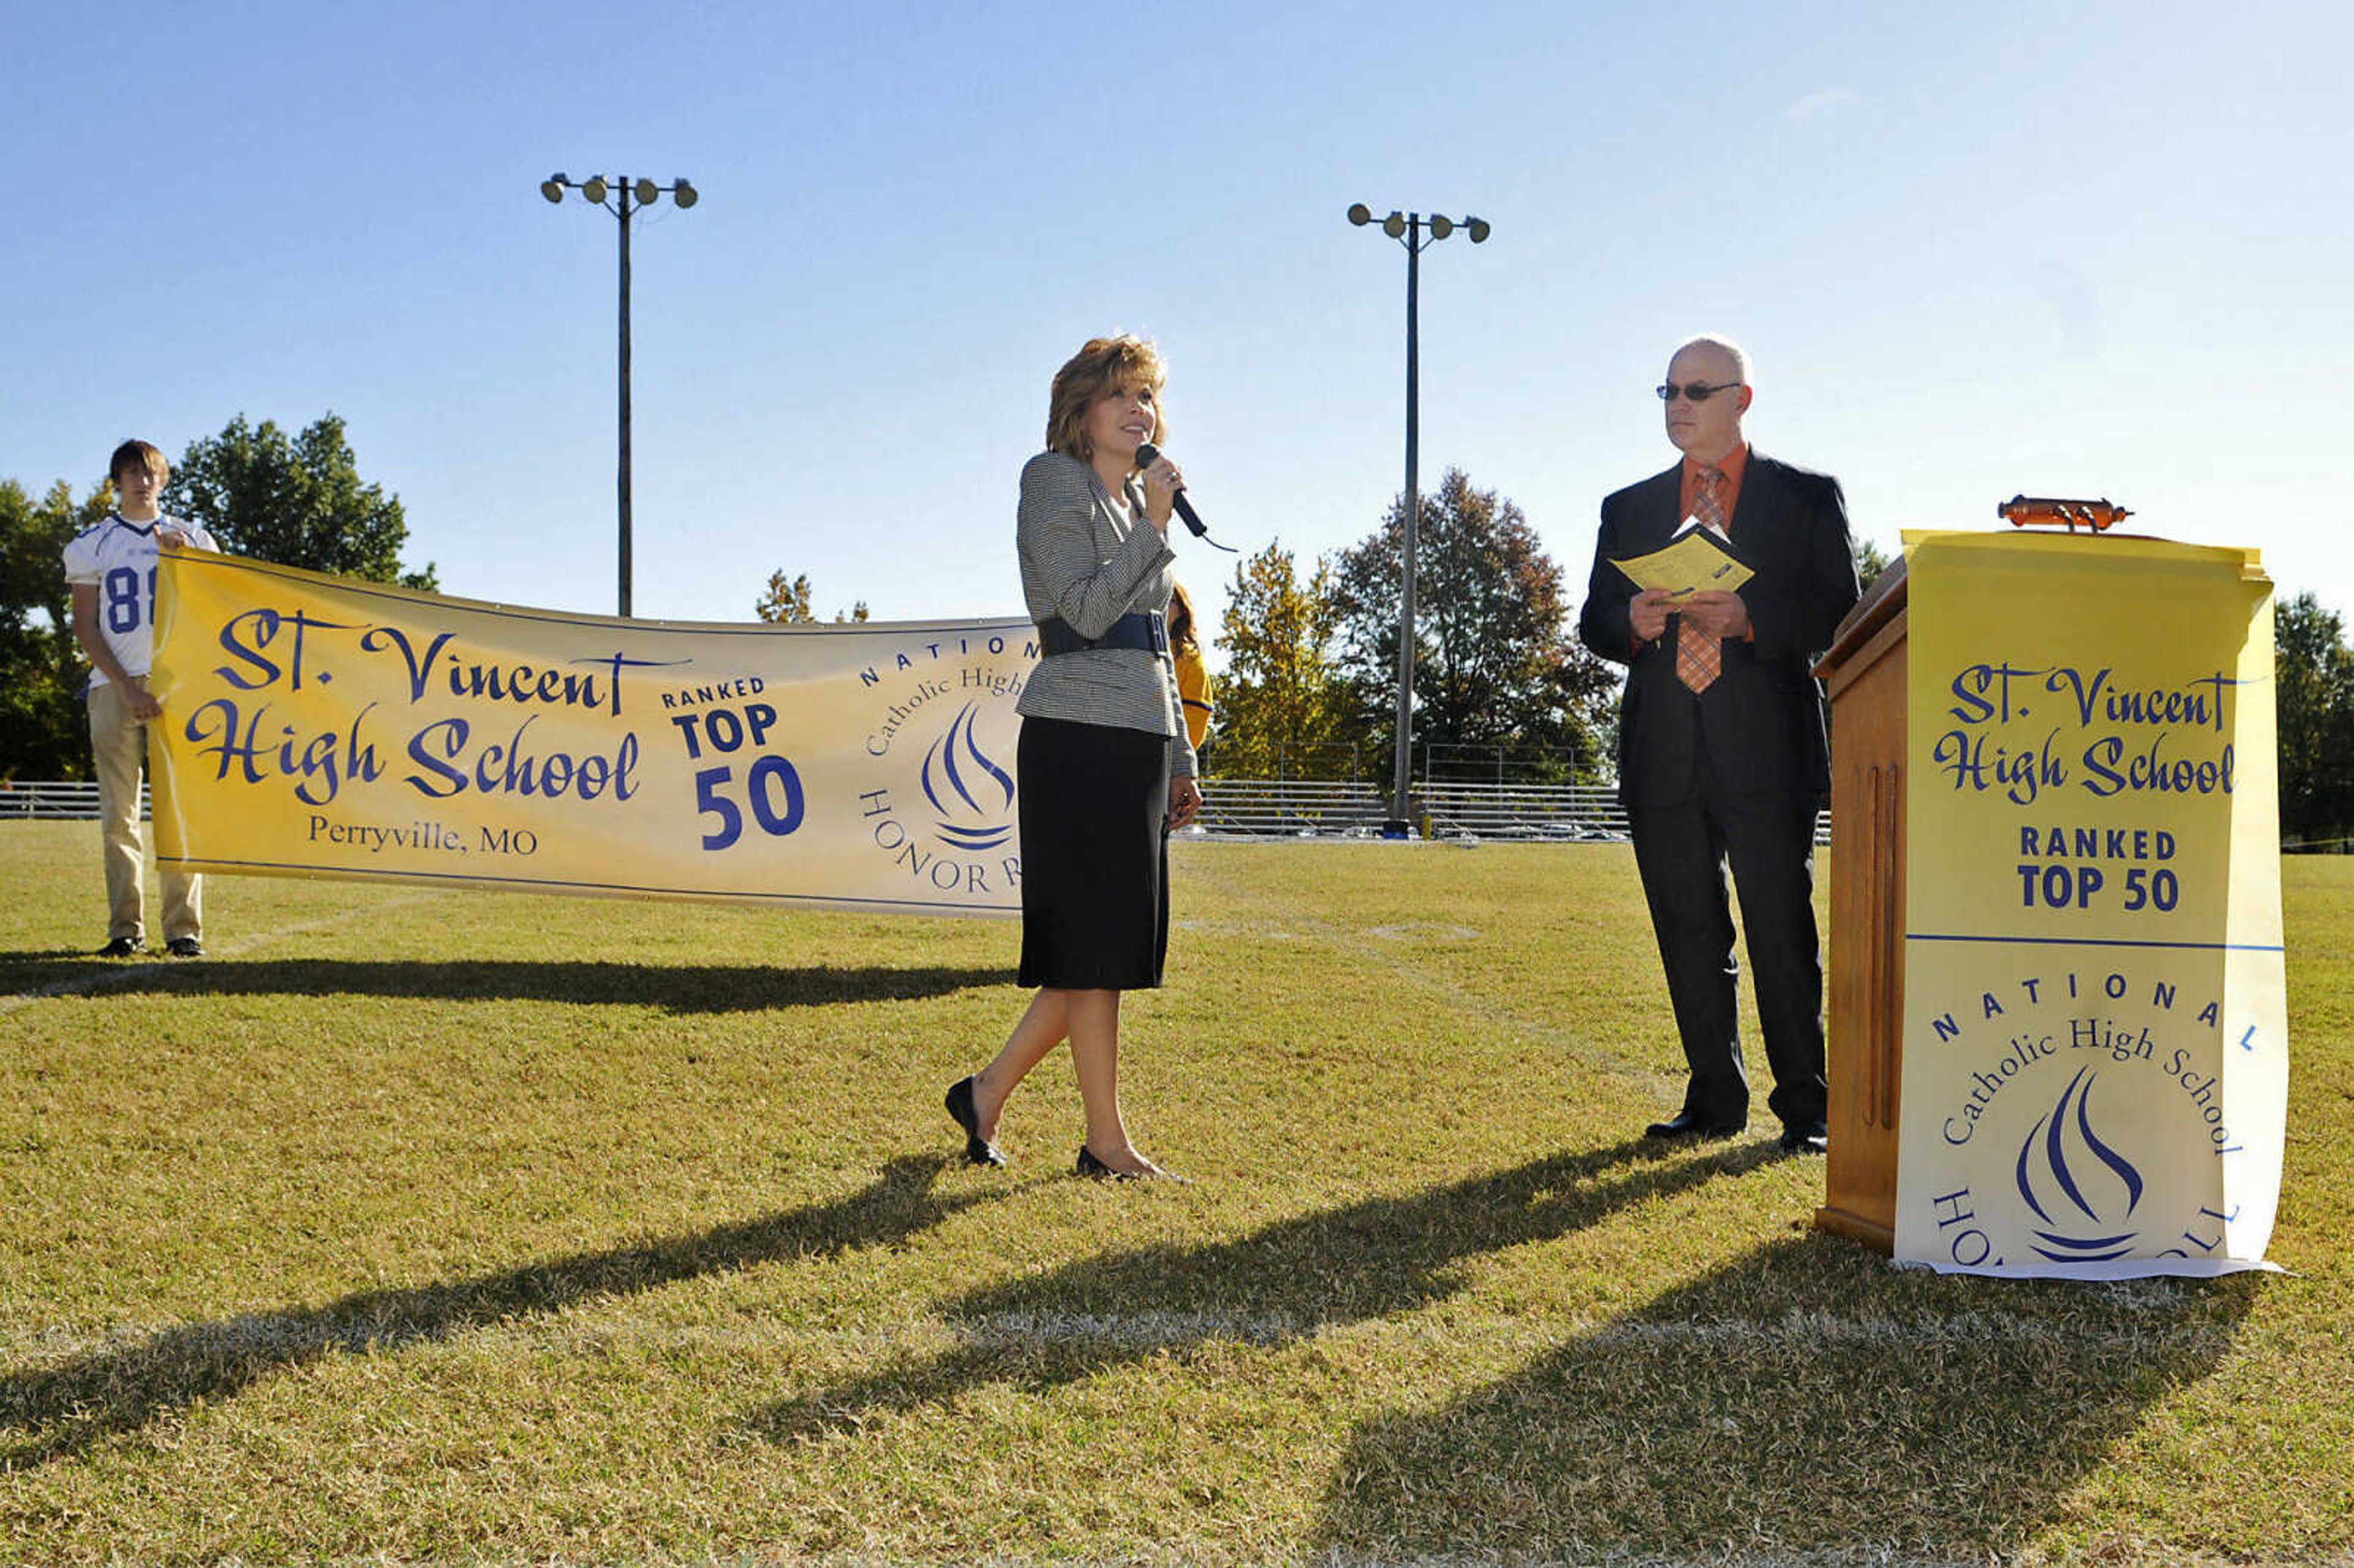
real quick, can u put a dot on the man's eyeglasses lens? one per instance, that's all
(1698, 392)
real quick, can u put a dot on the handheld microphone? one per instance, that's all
(1146, 456)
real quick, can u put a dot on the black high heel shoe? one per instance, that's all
(1097, 1170)
(978, 1151)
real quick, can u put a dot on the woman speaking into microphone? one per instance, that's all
(1105, 769)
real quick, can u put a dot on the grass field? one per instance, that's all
(447, 1227)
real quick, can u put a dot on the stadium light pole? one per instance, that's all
(645, 193)
(1413, 231)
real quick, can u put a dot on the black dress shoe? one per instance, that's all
(978, 1151)
(119, 948)
(1805, 1140)
(1686, 1123)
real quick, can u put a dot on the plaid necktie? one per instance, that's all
(1700, 658)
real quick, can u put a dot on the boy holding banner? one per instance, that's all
(112, 570)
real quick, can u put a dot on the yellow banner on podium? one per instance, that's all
(322, 726)
(2096, 1052)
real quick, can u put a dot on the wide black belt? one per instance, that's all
(1145, 630)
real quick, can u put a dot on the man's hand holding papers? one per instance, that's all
(1695, 574)
(1694, 561)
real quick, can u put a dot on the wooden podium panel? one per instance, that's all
(1864, 674)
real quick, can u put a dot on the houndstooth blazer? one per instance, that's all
(1080, 562)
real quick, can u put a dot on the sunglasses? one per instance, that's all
(1698, 392)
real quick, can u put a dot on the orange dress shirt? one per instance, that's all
(1734, 464)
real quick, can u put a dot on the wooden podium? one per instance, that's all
(1864, 674)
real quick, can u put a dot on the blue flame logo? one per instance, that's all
(2063, 1157)
(969, 791)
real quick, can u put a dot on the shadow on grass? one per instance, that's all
(1807, 1399)
(1369, 1260)
(57, 1413)
(676, 987)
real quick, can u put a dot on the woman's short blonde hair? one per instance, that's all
(1121, 364)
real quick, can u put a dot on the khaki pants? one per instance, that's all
(118, 743)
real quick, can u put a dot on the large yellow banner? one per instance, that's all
(2096, 1056)
(320, 726)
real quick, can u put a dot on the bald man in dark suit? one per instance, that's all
(1723, 756)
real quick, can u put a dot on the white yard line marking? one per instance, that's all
(113, 976)
(584, 1330)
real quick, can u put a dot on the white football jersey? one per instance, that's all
(119, 558)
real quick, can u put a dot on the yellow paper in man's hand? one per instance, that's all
(1696, 561)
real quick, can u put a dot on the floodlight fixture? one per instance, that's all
(1410, 230)
(633, 194)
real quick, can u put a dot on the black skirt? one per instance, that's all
(1095, 855)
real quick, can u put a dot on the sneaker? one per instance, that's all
(185, 948)
(120, 948)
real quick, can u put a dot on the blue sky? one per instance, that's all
(2090, 249)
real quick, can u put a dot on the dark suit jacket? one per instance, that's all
(1763, 716)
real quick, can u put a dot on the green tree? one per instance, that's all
(787, 603)
(2314, 707)
(1280, 701)
(42, 732)
(1871, 560)
(299, 503)
(1495, 661)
